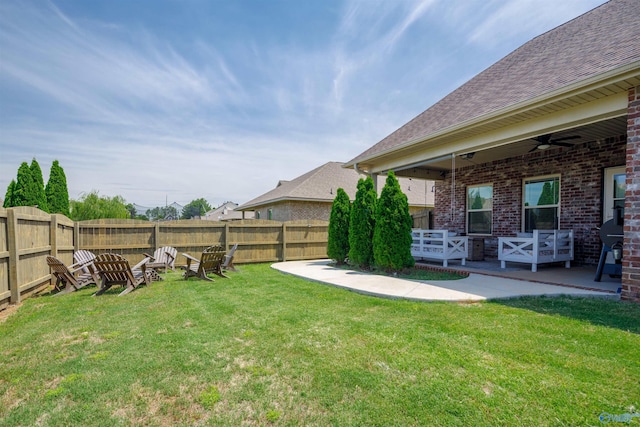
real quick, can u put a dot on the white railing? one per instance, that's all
(439, 244)
(536, 248)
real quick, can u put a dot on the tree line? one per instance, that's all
(371, 231)
(28, 189)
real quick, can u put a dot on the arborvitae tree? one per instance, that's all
(338, 243)
(56, 190)
(8, 197)
(361, 224)
(36, 175)
(392, 232)
(24, 193)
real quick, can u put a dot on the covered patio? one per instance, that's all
(548, 138)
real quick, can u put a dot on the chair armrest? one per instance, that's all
(190, 258)
(148, 256)
(141, 265)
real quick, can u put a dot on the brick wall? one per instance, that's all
(581, 175)
(294, 211)
(631, 253)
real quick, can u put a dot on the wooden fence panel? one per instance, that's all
(190, 236)
(306, 239)
(5, 293)
(259, 240)
(62, 244)
(32, 244)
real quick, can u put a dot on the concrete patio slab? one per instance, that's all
(476, 287)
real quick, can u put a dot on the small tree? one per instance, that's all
(38, 185)
(159, 213)
(197, 207)
(392, 232)
(92, 206)
(362, 223)
(338, 241)
(8, 197)
(24, 193)
(56, 190)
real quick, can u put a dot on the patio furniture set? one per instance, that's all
(538, 247)
(109, 269)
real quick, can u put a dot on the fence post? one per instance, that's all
(53, 235)
(76, 236)
(156, 236)
(284, 241)
(14, 272)
(226, 236)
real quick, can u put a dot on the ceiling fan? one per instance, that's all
(545, 141)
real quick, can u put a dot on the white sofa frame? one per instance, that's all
(541, 246)
(439, 245)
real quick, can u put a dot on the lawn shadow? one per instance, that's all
(621, 315)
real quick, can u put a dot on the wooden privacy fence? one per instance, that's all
(28, 235)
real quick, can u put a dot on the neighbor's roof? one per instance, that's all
(604, 39)
(322, 183)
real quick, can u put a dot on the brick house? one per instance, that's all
(560, 114)
(311, 195)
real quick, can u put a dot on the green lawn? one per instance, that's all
(263, 348)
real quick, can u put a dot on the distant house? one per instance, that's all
(311, 195)
(226, 212)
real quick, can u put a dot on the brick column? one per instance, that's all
(631, 254)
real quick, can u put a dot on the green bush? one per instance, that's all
(24, 192)
(56, 190)
(8, 197)
(338, 244)
(38, 186)
(392, 231)
(361, 224)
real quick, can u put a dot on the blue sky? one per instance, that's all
(174, 100)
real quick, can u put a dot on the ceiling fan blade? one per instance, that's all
(542, 139)
(561, 144)
(533, 149)
(566, 138)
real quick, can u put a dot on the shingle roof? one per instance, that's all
(598, 41)
(322, 183)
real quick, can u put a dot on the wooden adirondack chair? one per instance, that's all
(163, 258)
(67, 276)
(228, 259)
(115, 270)
(83, 258)
(210, 262)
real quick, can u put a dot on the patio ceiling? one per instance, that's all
(588, 134)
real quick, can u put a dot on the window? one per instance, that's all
(270, 214)
(541, 203)
(479, 209)
(614, 190)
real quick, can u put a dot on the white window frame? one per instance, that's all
(525, 207)
(608, 199)
(469, 210)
